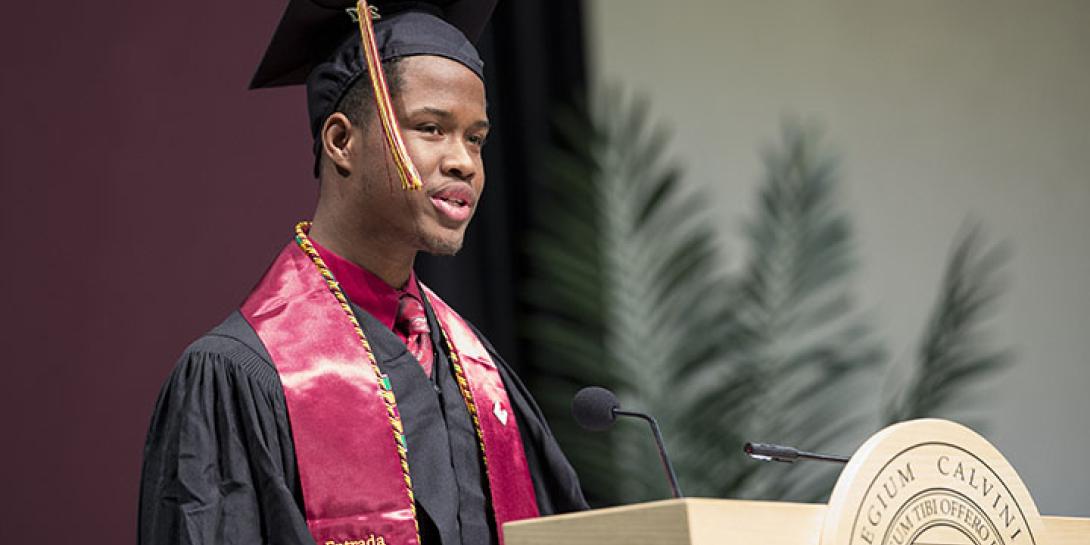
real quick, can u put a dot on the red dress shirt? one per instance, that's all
(368, 291)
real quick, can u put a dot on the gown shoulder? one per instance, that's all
(219, 465)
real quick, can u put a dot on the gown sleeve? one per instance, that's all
(219, 466)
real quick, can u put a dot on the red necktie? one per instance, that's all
(412, 324)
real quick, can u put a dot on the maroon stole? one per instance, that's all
(344, 422)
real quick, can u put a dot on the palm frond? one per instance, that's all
(810, 347)
(952, 355)
(622, 258)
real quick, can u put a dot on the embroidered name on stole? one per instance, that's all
(354, 486)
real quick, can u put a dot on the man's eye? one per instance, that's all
(429, 129)
(477, 140)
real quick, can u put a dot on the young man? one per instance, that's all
(345, 402)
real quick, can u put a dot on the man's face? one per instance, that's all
(441, 110)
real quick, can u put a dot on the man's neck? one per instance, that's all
(393, 265)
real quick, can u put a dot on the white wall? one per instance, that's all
(940, 111)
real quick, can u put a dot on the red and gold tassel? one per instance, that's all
(410, 179)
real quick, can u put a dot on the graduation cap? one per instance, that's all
(328, 45)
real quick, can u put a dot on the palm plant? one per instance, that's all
(628, 292)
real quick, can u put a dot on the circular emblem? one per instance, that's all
(930, 482)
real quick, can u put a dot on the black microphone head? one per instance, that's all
(593, 408)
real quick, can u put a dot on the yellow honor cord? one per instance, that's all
(410, 179)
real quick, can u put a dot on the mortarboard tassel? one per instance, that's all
(410, 179)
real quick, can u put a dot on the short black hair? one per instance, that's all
(358, 103)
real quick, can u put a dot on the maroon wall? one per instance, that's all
(144, 189)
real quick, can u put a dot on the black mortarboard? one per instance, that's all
(318, 43)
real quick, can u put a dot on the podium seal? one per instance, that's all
(930, 482)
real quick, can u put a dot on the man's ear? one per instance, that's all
(338, 142)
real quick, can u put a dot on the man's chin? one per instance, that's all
(442, 246)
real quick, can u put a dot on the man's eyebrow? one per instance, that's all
(446, 115)
(437, 112)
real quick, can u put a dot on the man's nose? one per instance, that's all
(458, 162)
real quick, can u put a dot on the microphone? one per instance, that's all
(596, 409)
(767, 452)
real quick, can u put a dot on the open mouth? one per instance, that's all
(455, 204)
(455, 201)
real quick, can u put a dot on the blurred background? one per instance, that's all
(793, 222)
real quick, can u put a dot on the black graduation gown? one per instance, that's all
(219, 462)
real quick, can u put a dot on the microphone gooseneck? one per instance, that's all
(767, 452)
(596, 409)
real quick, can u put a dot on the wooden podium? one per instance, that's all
(925, 482)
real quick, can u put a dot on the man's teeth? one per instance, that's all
(458, 202)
